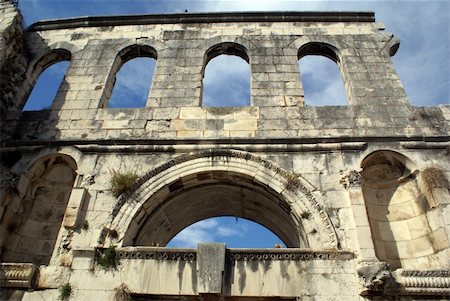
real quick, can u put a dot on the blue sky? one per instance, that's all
(422, 63)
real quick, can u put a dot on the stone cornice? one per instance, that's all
(216, 17)
(248, 144)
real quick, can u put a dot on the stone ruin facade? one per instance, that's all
(359, 193)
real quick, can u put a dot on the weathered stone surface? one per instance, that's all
(343, 187)
(210, 267)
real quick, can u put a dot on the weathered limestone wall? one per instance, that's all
(349, 179)
(173, 107)
(12, 61)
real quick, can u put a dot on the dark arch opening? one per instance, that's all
(212, 194)
(47, 76)
(226, 76)
(130, 79)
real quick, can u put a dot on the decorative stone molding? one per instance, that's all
(157, 254)
(18, 275)
(287, 254)
(432, 282)
(151, 253)
(380, 281)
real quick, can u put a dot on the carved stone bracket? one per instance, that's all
(18, 275)
(377, 279)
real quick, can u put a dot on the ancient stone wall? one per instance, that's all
(12, 57)
(347, 188)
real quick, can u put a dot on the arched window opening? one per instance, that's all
(235, 232)
(226, 78)
(49, 72)
(320, 75)
(130, 81)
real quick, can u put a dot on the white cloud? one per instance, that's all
(133, 83)
(226, 231)
(209, 230)
(226, 82)
(202, 231)
(322, 82)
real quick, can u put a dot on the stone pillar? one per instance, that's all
(369, 74)
(362, 227)
(275, 75)
(210, 268)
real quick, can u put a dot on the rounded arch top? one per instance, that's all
(42, 164)
(386, 168)
(319, 48)
(228, 48)
(51, 57)
(216, 171)
(137, 50)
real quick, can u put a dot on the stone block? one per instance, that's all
(210, 267)
(74, 206)
(240, 125)
(192, 113)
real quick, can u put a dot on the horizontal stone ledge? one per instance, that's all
(288, 254)
(156, 253)
(263, 254)
(425, 145)
(184, 148)
(21, 145)
(219, 17)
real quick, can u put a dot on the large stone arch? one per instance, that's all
(280, 200)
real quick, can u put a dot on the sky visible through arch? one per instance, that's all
(422, 61)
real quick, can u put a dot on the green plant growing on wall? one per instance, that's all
(122, 181)
(107, 258)
(65, 291)
(305, 215)
(292, 181)
(122, 293)
(112, 234)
